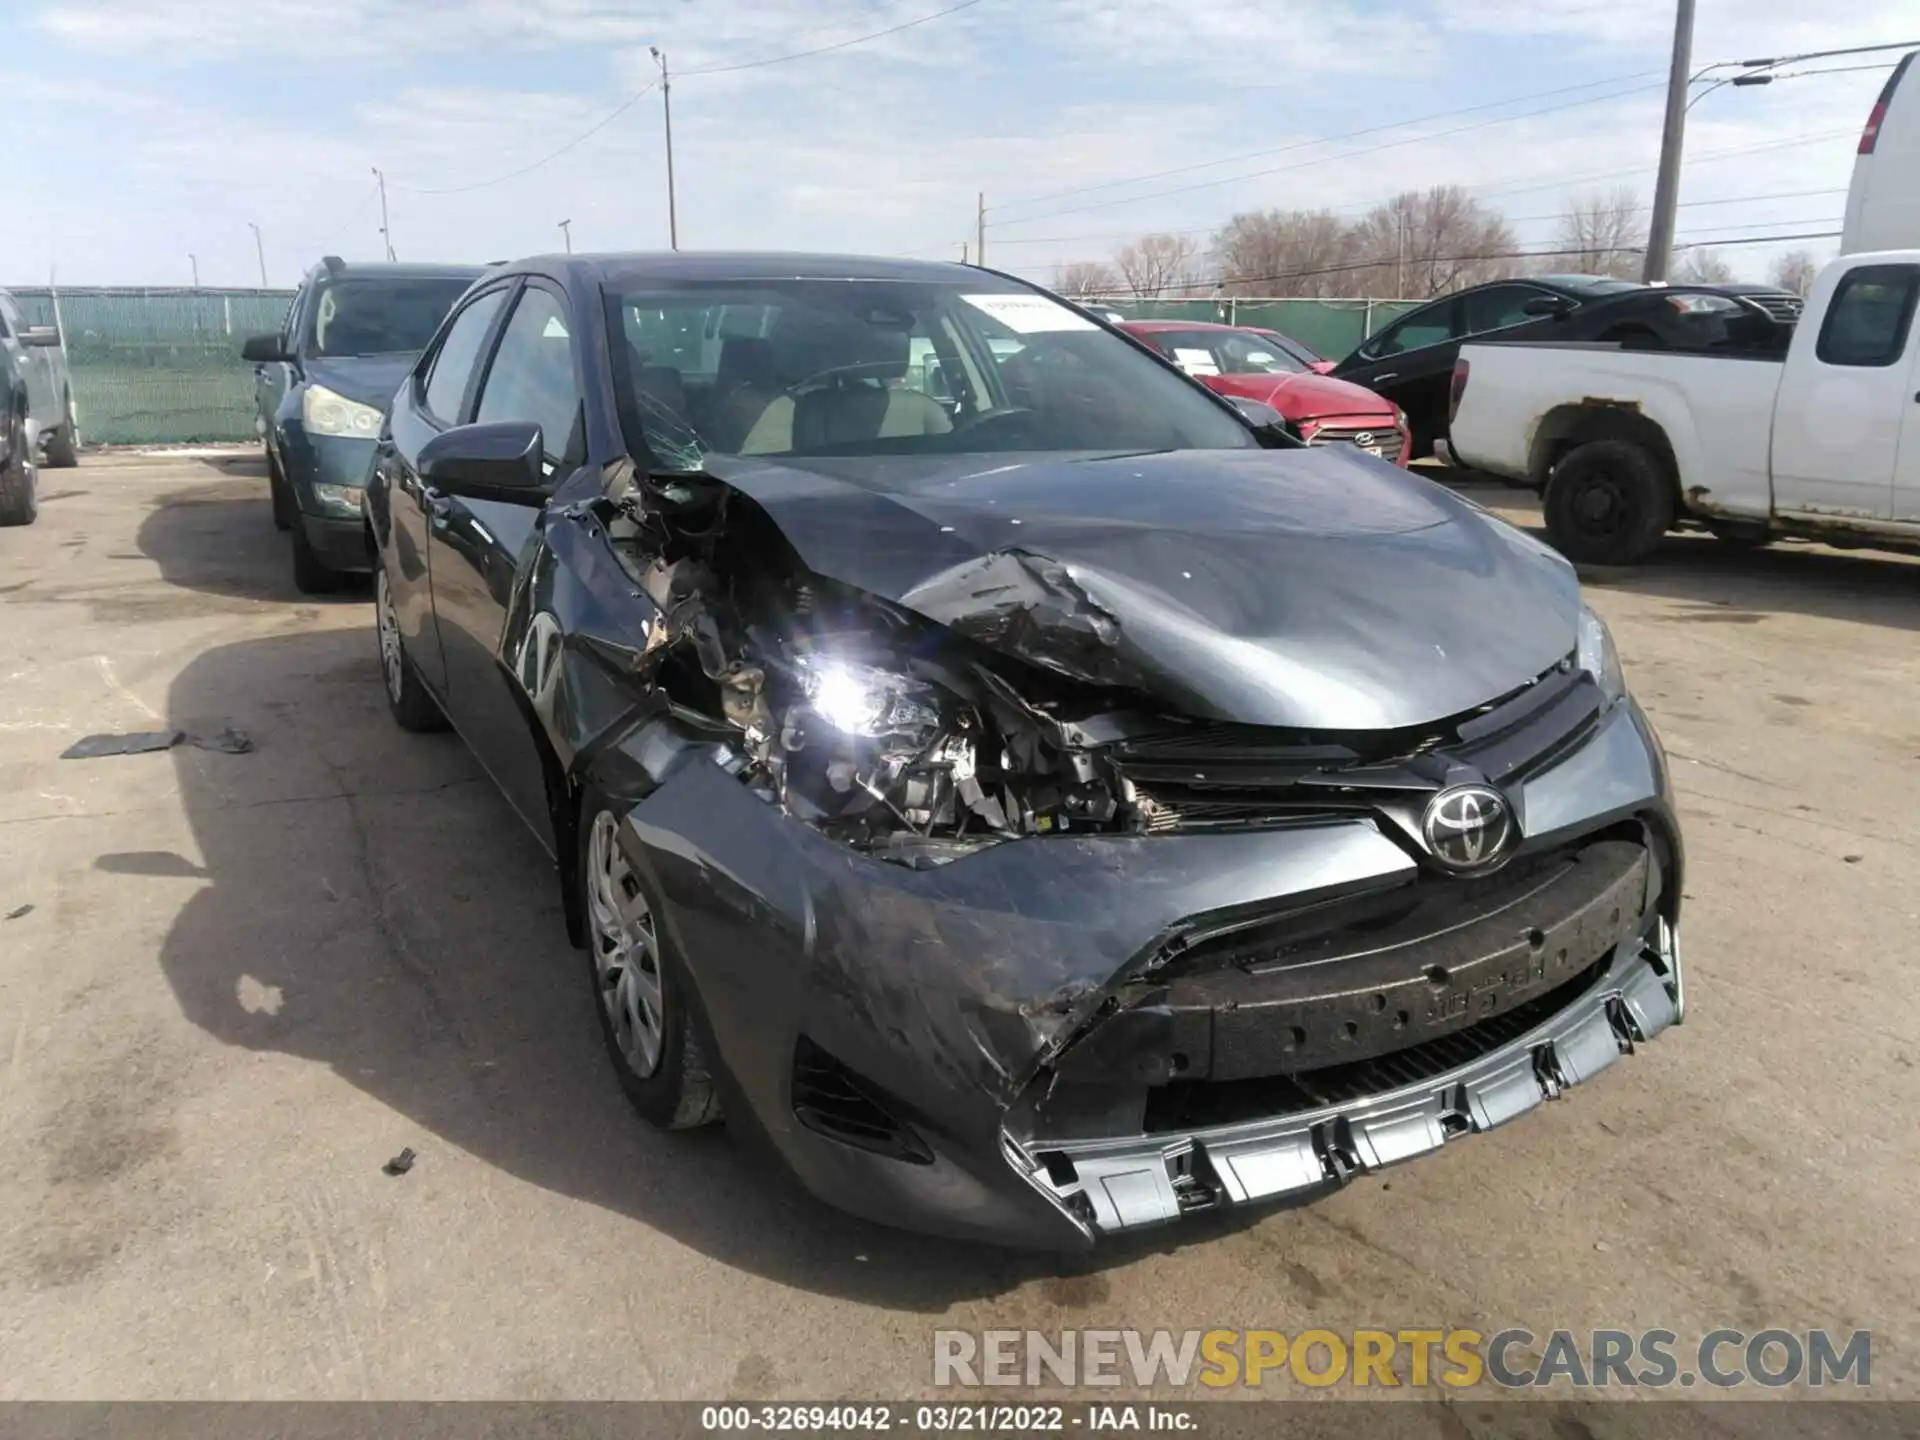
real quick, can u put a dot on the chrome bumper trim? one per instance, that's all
(1141, 1180)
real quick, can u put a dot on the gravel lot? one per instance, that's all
(246, 981)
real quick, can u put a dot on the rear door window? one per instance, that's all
(1870, 315)
(1434, 325)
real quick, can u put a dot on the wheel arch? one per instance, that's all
(1567, 428)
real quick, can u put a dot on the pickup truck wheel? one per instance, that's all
(19, 503)
(1608, 503)
(63, 445)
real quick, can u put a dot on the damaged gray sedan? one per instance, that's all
(1040, 799)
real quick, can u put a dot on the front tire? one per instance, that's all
(1608, 503)
(284, 512)
(19, 492)
(648, 1011)
(413, 706)
(311, 575)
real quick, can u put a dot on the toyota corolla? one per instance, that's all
(1043, 802)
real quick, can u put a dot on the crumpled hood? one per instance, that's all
(369, 379)
(1315, 588)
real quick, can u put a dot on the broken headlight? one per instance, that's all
(862, 700)
(1598, 657)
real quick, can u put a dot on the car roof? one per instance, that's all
(627, 267)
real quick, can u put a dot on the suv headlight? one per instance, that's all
(328, 413)
(1598, 657)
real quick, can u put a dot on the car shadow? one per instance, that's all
(217, 538)
(374, 907)
(1724, 583)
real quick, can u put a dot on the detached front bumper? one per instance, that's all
(1148, 1180)
(995, 1048)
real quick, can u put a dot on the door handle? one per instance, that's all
(1390, 375)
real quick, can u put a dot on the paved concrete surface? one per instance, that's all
(248, 980)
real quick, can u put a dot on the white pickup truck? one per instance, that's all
(1630, 443)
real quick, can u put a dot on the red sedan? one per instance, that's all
(1261, 365)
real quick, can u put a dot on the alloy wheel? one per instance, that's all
(392, 658)
(626, 949)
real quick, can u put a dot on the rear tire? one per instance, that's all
(650, 1018)
(412, 704)
(311, 575)
(1608, 503)
(63, 445)
(19, 494)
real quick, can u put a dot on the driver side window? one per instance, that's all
(532, 376)
(459, 354)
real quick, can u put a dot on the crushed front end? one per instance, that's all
(992, 942)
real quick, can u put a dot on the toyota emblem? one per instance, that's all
(1469, 828)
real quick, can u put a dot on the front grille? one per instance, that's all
(1783, 309)
(1223, 776)
(832, 1099)
(1192, 1105)
(1386, 441)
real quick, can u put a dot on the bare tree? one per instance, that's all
(1286, 252)
(1427, 242)
(1084, 278)
(1700, 265)
(1155, 264)
(1603, 234)
(1796, 271)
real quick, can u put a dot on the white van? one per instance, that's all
(1883, 207)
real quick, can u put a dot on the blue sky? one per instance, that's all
(142, 131)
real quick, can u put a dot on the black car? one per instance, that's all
(1411, 361)
(321, 389)
(19, 503)
(1041, 809)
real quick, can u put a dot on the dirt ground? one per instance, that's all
(246, 981)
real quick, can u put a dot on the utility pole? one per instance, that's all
(386, 235)
(194, 260)
(666, 106)
(261, 251)
(980, 229)
(1666, 192)
(566, 230)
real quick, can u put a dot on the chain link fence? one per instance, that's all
(154, 367)
(159, 366)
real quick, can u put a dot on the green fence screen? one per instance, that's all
(159, 366)
(156, 367)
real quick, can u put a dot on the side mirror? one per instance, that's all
(264, 350)
(1267, 423)
(44, 335)
(1548, 305)
(502, 460)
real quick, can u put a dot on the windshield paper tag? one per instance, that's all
(1029, 314)
(1195, 362)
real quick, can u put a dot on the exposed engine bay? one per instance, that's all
(858, 716)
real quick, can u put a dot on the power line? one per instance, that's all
(837, 45)
(1320, 140)
(635, 98)
(1325, 159)
(578, 140)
